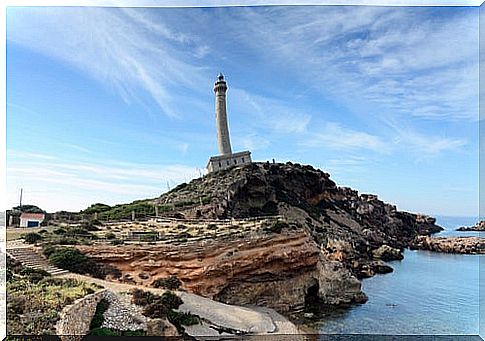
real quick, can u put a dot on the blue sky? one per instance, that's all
(112, 105)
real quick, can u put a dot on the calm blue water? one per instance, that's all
(428, 293)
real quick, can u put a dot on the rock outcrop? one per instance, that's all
(480, 227)
(464, 245)
(277, 270)
(308, 198)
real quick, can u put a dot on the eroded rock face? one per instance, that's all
(273, 270)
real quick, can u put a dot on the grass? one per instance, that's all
(33, 308)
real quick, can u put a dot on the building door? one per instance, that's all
(32, 223)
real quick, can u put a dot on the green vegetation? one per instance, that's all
(142, 208)
(96, 208)
(98, 317)
(32, 237)
(73, 260)
(171, 283)
(277, 226)
(156, 306)
(28, 209)
(110, 235)
(34, 299)
(179, 319)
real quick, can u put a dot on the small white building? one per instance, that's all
(31, 219)
(225, 161)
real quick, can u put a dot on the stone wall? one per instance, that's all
(75, 319)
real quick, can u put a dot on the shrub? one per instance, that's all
(48, 249)
(103, 332)
(89, 226)
(277, 227)
(110, 235)
(16, 305)
(98, 317)
(179, 319)
(73, 260)
(76, 231)
(32, 237)
(8, 275)
(43, 231)
(68, 241)
(33, 275)
(116, 242)
(70, 259)
(156, 310)
(171, 300)
(143, 298)
(59, 231)
(103, 270)
(170, 283)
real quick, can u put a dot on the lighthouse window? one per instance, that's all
(227, 162)
(242, 159)
(220, 164)
(235, 162)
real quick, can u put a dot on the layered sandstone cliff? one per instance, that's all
(277, 270)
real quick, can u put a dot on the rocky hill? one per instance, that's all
(325, 239)
(307, 197)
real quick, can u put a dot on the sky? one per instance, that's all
(116, 104)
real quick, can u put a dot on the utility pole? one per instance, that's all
(21, 190)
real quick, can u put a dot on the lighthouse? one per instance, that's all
(223, 140)
(226, 157)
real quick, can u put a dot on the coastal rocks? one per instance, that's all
(387, 253)
(463, 245)
(480, 226)
(370, 268)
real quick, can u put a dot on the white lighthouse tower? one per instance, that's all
(226, 157)
(223, 140)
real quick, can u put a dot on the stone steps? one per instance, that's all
(28, 257)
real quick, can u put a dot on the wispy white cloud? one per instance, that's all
(272, 114)
(126, 49)
(29, 155)
(429, 145)
(77, 147)
(334, 136)
(393, 60)
(254, 142)
(112, 182)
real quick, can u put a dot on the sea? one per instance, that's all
(428, 293)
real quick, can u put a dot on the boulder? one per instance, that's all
(387, 253)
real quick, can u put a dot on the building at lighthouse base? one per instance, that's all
(220, 162)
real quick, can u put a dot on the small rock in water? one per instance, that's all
(308, 315)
